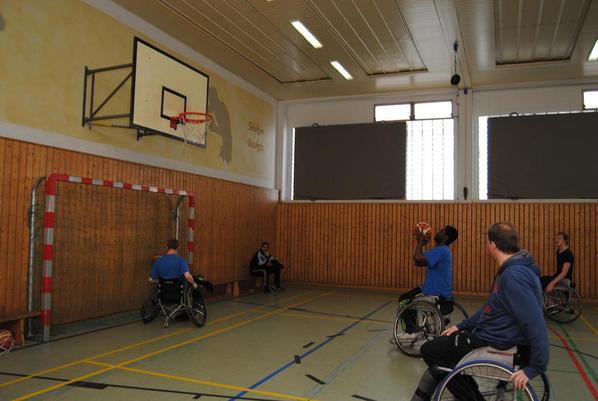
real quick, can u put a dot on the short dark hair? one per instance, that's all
(451, 233)
(505, 237)
(172, 243)
(265, 243)
(565, 236)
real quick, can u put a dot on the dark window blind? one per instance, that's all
(356, 161)
(550, 156)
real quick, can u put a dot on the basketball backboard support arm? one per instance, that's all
(90, 116)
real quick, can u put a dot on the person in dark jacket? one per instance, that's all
(513, 315)
(263, 265)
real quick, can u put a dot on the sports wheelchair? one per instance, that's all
(563, 304)
(483, 375)
(172, 298)
(421, 318)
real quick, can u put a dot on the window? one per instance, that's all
(392, 112)
(430, 147)
(430, 159)
(483, 158)
(590, 99)
(433, 110)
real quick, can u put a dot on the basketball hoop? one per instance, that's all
(193, 124)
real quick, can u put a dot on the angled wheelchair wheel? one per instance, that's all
(483, 381)
(150, 307)
(415, 324)
(563, 304)
(196, 308)
(456, 316)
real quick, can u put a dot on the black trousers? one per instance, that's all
(272, 269)
(447, 352)
(545, 280)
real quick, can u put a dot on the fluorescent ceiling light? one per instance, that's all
(594, 53)
(306, 34)
(341, 69)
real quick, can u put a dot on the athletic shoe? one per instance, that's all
(407, 337)
(277, 288)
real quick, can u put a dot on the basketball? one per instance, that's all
(7, 341)
(423, 228)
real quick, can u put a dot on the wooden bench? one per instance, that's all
(16, 324)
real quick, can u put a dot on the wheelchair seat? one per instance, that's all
(489, 353)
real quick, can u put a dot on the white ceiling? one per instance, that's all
(387, 45)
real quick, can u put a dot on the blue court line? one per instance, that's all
(311, 351)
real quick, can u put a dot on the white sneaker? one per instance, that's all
(407, 337)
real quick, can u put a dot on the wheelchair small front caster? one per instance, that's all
(165, 324)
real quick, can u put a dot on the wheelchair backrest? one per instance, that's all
(170, 291)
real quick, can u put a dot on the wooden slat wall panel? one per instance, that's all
(231, 221)
(370, 245)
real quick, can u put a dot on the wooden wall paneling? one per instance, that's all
(376, 240)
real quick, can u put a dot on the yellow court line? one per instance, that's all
(67, 365)
(203, 382)
(134, 345)
(352, 319)
(589, 325)
(175, 346)
(219, 331)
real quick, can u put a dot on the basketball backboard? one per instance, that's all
(164, 86)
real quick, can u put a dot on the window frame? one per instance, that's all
(583, 106)
(412, 107)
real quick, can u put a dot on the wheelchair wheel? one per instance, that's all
(456, 316)
(483, 381)
(150, 307)
(417, 323)
(563, 304)
(196, 307)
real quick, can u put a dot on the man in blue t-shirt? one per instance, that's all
(438, 260)
(171, 266)
(439, 277)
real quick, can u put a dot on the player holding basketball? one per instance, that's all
(439, 276)
(513, 315)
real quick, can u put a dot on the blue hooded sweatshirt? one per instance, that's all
(513, 315)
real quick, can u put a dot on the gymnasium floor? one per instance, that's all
(299, 344)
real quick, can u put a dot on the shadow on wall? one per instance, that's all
(2, 24)
(221, 124)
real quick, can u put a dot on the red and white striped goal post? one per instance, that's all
(49, 220)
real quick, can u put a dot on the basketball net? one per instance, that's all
(193, 126)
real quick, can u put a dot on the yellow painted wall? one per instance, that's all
(43, 51)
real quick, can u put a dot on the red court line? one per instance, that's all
(580, 369)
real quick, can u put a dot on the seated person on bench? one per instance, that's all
(171, 266)
(263, 265)
(564, 264)
(513, 315)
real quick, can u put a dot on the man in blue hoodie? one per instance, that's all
(513, 315)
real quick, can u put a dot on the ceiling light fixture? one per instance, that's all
(310, 37)
(594, 54)
(342, 70)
